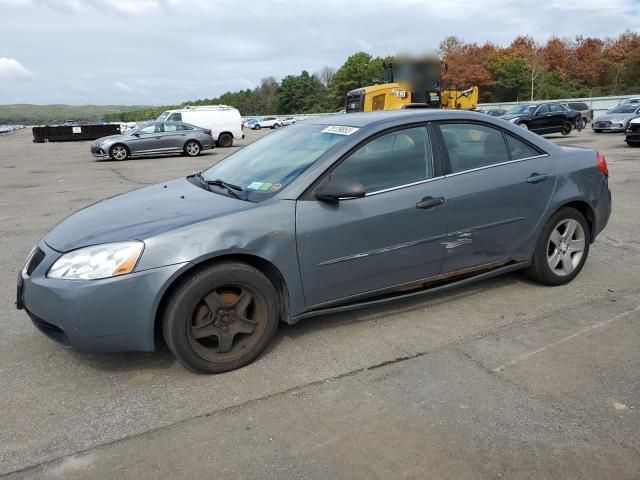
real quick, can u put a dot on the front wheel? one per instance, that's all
(524, 125)
(119, 152)
(222, 318)
(257, 127)
(192, 148)
(584, 123)
(276, 125)
(597, 130)
(562, 248)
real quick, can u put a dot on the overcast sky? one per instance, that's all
(168, 51)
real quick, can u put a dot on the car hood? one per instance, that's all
(611, 116)
(141, 214)
(119, 136)
(511, 116)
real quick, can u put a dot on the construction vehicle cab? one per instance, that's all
(411, 83)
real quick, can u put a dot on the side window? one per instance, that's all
(472, 146)
(392, 160)
(543, 109)
(175, 117)
(184, 126)
(520, 149)
(556, 108)
(171, 127)
(149, 129)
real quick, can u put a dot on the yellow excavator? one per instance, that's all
(411, 83)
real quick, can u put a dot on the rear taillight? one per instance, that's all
(207, 132)
(602, 164)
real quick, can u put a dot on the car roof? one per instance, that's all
(369, 119)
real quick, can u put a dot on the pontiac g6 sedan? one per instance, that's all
(327, 215)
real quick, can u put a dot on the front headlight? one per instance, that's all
(97, 261)
(618, 120)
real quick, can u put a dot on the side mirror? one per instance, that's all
(339, 188)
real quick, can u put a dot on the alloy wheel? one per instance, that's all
(119, 152)
(193, 149)
(566, 246)
(227, 322)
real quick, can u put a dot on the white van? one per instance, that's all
(223, 121)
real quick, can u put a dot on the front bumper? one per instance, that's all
(99, 151)
(608, 126)
(109, 315)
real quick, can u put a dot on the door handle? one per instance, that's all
(429, 202)
(537, 178)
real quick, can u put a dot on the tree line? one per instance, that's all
(523, 70)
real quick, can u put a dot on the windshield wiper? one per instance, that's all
(200, 180)
(229, 187)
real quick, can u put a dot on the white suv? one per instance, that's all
(267, 122)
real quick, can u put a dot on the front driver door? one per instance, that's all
(147, 139)
(389, 237)
(540, 121)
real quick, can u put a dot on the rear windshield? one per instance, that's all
(266, 166)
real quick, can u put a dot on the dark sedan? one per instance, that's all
(327, 215)
(154, 138)
(544, 118)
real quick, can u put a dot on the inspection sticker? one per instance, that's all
(340, 130)
(254, 186)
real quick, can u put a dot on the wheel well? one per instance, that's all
(264, 266)
(192, 140)
(121, 144)
(228, 133)
(585, 209)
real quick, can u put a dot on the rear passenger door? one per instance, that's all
(173, 137)
(500, 186)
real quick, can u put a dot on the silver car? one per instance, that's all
(154, 138)
(616, 119)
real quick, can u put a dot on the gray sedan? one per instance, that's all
(328, 215)
(154, 138)
(616, 119)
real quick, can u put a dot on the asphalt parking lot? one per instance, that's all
(502, 379)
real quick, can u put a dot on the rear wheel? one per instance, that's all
(566, 128)
(119, 152)
(597, 130)
(276, 125)
(562, 248)
(631, 143)
(225, 140)
(221, 318)
(257, 127)
(192, 148)
(584, 123)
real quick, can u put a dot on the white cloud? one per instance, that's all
(122, 86)
(11, 69)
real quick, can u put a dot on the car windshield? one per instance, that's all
(266, 166)
(137, 128)
(624, 109)
(523, 109)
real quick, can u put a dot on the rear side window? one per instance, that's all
(543, 109)
(555, 108)
(519, 149)
(578, 106)
(171, 127)
(175, 117)
(392, 160)
(470, 146)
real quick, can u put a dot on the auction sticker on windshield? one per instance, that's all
(340, 130)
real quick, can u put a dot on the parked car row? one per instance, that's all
(544, 118)
(269, 122)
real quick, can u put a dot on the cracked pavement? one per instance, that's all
(503, 378)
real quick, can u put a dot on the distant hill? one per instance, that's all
(28, 114)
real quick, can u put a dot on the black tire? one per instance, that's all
(257, 127)
(540, 269)
(192, 148)
(115, 152)
(632, 143)
(597, 130)
(183, 319)
(276, 125)
(584, 123)
(566, 128)
(225, 140)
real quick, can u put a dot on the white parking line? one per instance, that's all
(567, 338)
